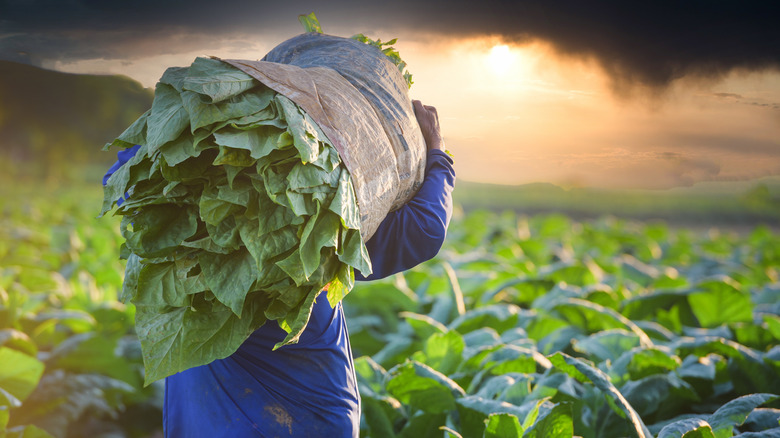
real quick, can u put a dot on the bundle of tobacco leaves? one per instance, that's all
(236, 210)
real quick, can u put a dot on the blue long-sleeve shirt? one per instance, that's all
(309, 388)
(415, 232)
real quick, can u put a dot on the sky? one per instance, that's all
(650, 95)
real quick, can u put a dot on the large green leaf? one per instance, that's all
(500, 317)
(180, 338)
(647, 305)
(748, 370)
(607, 344)
(474, 411)
(768, 433)
(296, 320)
(637, 363)
(62, 398)
(735, 412)
(158, 230)
(167, 119)
(320, 231)
(423, 325)
(301, 129)
(177, 151)
(160, 286)
(259, 142)
(719, 302)
(380, 414)
(762, 419)
(587, 373)
(422, 387)
(28, 431)
(423, 424)
(237, 109)
(217, 80)
(659, 395)
(689, 428)
(443, 351)
(18, 340)
(594, 317)
(19, 374)
(229, 277)
(133, 135)
(503, 426)
(553, 423)
(91, 353)
(4, 417)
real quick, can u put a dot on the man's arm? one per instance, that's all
(415, 232)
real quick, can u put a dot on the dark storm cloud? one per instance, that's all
(652, 43)
(37, 31)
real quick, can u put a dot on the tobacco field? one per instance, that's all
(539, 326)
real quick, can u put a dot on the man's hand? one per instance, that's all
(428, 119)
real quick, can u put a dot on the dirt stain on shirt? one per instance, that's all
(281, 416)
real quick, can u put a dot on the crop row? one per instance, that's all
(535, 327)
(548, 327)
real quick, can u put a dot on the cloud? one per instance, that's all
(747, 101)
(713, 143)
(727, 95)
(647, 43)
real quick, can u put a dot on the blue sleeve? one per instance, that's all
(415, 232)
(123, 156)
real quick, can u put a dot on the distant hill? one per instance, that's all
(707, 203)
(50, 119)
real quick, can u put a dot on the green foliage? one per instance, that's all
(598, 328)
(387, 48)
(616, 350)
(254, 220)
(310, 23)
(71, 363)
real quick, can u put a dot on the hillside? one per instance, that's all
(48, 119)
(708, 203)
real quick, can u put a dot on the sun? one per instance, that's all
(501, 59)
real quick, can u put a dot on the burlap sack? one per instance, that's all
(360, 101)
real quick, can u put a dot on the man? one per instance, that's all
(309, 389)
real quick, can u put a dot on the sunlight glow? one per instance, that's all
(501, 59)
